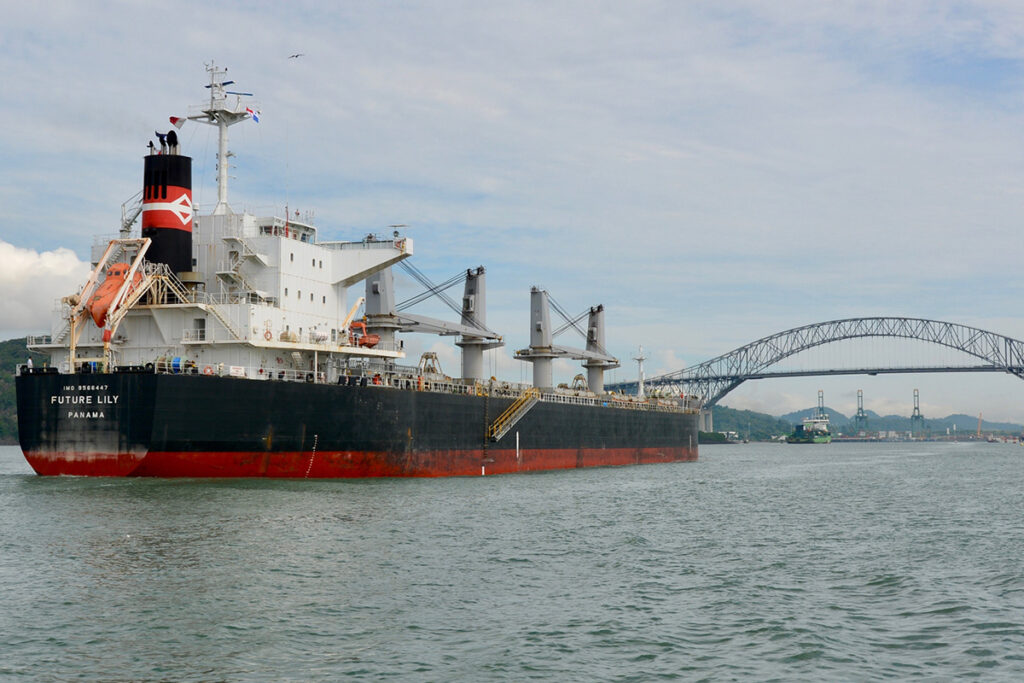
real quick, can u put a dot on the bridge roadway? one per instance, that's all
(873, 371)
(713, 379)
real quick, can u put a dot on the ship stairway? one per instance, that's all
(161, 286)
(130, 211)
(173, 285)
(211, 308)
(117, 254)
(234, 278)
(245, 250)
(62, 335)
(167, 289)
(242, 252)
(513, 414)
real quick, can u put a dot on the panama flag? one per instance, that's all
(178, 122)
(254, 114)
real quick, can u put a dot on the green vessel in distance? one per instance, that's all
(813, 430)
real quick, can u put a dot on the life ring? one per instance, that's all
(207, 370)
(268, 335)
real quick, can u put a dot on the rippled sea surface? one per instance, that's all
(759, 562)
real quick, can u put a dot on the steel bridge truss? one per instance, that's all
(713, 379)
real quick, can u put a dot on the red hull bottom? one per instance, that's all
(343, 464)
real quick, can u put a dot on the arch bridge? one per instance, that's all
(713, 379)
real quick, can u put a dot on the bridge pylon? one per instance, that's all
(707, 421)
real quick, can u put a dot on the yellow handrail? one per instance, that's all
(529, 396)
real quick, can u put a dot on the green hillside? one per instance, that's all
(12, 354)
(748, 424)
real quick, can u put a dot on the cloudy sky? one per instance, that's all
(713, 172)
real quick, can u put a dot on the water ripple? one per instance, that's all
(854, 562)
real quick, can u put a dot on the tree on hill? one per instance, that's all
(748, 424)
(12, 354)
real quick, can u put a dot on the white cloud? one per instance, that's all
(31, 282)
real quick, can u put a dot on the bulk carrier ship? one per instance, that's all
(224, 345)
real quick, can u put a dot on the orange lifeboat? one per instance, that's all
(362, 339)
(100, 302)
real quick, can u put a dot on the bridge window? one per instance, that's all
(298, 294)
(325, 300)
(293, 257)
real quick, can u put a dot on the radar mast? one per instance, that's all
(222, 113)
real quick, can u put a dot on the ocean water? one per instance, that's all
(759, 562)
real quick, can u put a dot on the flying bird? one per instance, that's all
(297, 55)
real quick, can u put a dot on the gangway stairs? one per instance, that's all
(240, 252)
(222, 318)
(513, 414)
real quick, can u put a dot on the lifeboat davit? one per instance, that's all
(99, 304)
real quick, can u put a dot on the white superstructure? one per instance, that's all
(264, 296)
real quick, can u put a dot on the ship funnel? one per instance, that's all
(167, 210)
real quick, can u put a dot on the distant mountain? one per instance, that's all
(797, 416)
(969, 423)
(964, 424)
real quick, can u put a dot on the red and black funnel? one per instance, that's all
(167, 210)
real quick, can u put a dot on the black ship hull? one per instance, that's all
(146, 424)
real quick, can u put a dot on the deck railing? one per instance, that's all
(408, 379)
(401, 378)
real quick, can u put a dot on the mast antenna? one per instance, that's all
(221, 112)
